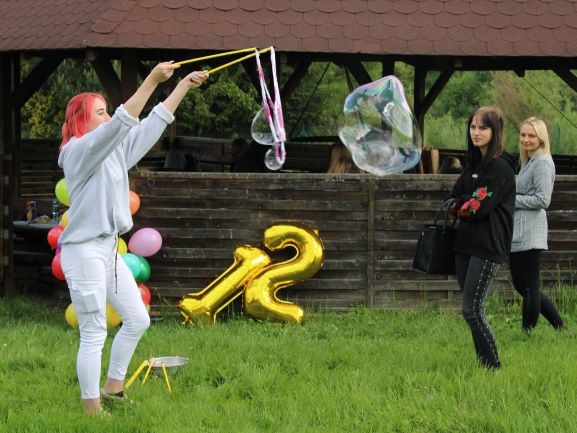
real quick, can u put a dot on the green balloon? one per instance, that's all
(61, 191)
(144, 270)
(133, 263)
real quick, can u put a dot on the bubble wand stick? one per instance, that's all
(226, 65)
(214, 56)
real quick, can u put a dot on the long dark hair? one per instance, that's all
(491, 118)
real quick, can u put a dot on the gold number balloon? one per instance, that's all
(260, 299)
(205, 305)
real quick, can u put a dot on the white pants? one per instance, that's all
(89, 268)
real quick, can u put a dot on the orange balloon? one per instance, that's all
(134, 202)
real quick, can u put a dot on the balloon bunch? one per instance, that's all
(143, 243)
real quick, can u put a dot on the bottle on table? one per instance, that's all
(31, 210)
(55, 210)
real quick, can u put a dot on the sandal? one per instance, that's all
(115, 397)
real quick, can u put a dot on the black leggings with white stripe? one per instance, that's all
(475, 276)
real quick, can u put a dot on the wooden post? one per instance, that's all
(128, 74)
(388, 67)
(418, 96)
(371, 186)
(108, 79)
(9, 131)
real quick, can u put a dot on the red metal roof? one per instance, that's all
(405, 27)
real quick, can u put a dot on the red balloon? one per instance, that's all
(145, 293)
(53, 236)
(57, 268)
(134, 202)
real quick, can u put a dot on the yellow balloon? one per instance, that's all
(206, 304)
(260, 299)
(112, 318)
(121, 247)
(64, 220)
(61, 192)
(70, 316)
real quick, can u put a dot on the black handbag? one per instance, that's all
(434, 253)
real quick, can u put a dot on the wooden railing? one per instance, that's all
(39, 170)
(369, 226)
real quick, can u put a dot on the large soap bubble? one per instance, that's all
(380, 129)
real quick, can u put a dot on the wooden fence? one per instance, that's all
(369, 227)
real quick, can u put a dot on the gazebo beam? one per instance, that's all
(567, 76)
(427, 100)
(358, 71)
(35, 79)
(295, 78)
(108, 79)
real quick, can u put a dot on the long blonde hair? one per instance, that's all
(542, 134)
(341, 159)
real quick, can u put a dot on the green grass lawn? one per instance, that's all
(364, 371)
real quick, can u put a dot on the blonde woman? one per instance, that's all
(341, 160)
(534, 187)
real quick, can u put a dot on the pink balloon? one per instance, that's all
(145, 242)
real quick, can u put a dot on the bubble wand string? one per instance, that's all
(274, 119)
(280, 149)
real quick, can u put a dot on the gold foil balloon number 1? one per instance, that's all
(254, 274)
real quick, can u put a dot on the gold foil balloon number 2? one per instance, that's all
(255, 276)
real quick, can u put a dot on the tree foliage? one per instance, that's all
(226, 104)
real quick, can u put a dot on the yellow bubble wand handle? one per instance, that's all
(150, 364)
(214, 56)
(226, 65)
(136, 373)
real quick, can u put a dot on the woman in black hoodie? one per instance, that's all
(484, 197)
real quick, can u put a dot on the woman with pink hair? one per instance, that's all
(96, 153)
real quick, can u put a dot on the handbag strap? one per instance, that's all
(445, 208)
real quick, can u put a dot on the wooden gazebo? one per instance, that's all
(372, 246)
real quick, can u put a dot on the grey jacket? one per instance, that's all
(534, 188)
(96, 170)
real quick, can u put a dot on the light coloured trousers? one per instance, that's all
(89, 268)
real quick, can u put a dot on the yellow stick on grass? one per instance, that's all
(214, 56)
(136, 373)
(150, 364)
(166, 377)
